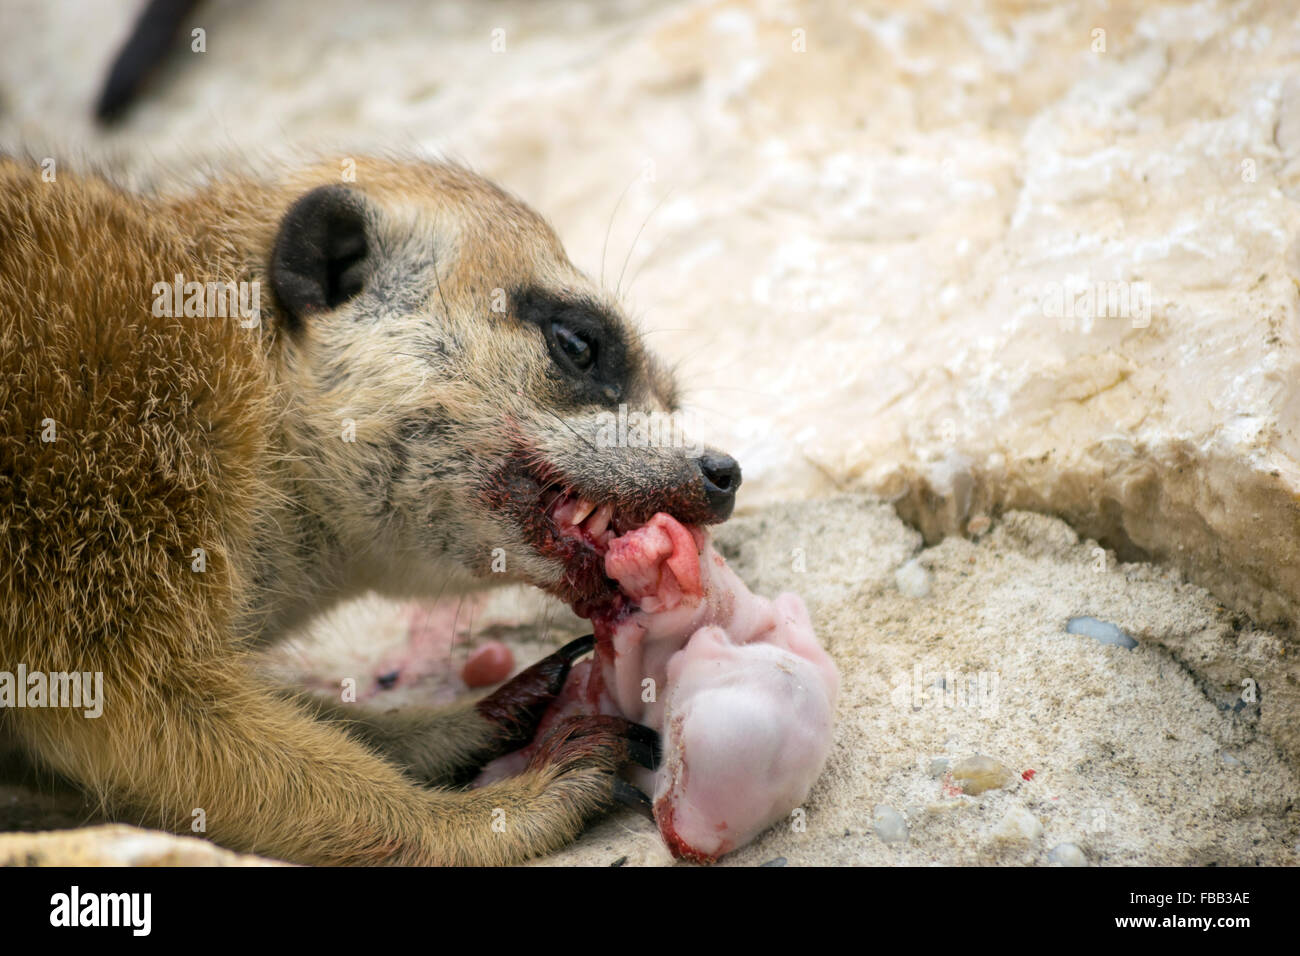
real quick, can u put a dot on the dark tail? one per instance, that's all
(149, 42)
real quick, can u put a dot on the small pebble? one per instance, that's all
(1018, 826)
(939, 766)
(1067, 854)
(776, 861)
(913, 580)
(978, 525)
(1230, 760)
(979, 773)
(889, 824)
(620, 861)
(1101, 631)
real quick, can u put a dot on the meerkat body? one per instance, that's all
(425, 376)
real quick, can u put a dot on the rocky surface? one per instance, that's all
(115, 845)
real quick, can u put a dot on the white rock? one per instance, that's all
(913, 579)
(1101, 631)
(1018, 826)
(1067, 854)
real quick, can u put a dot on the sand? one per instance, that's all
(1129, 757)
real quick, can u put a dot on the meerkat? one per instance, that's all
(420, 386)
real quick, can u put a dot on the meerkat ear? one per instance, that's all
(319, 258)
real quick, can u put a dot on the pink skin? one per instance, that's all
(748, 729)
(737, 685)
(433, 631)
(748, 694)
(489, 663)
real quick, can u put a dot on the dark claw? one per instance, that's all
(629, 796)
(643, 746)
(519, 704)
(576, 648)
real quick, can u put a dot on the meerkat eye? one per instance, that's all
(577, 348)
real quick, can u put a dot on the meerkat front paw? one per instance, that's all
(582, 758)
(517, 707)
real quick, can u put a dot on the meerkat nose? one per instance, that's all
(721, 474)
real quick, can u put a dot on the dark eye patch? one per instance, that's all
(587, 344)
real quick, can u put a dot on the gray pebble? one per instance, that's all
(889, 824)
(1102, 631)
(939, 766)
(775, 861)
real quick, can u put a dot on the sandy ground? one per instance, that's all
(827, 261)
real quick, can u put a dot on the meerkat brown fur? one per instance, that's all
(426, 374)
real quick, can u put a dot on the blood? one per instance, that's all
(678, 847)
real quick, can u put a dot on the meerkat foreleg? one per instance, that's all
(203, 747)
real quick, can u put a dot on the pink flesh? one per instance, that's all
(489, 663)
(744, 693)
(737, 685)
(434, 630)
(424, 659)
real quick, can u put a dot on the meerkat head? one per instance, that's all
(459, 393)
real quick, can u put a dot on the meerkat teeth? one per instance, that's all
(562, 510)
(599, 521)
(581, 510)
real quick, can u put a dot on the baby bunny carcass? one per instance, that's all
(739, 687)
